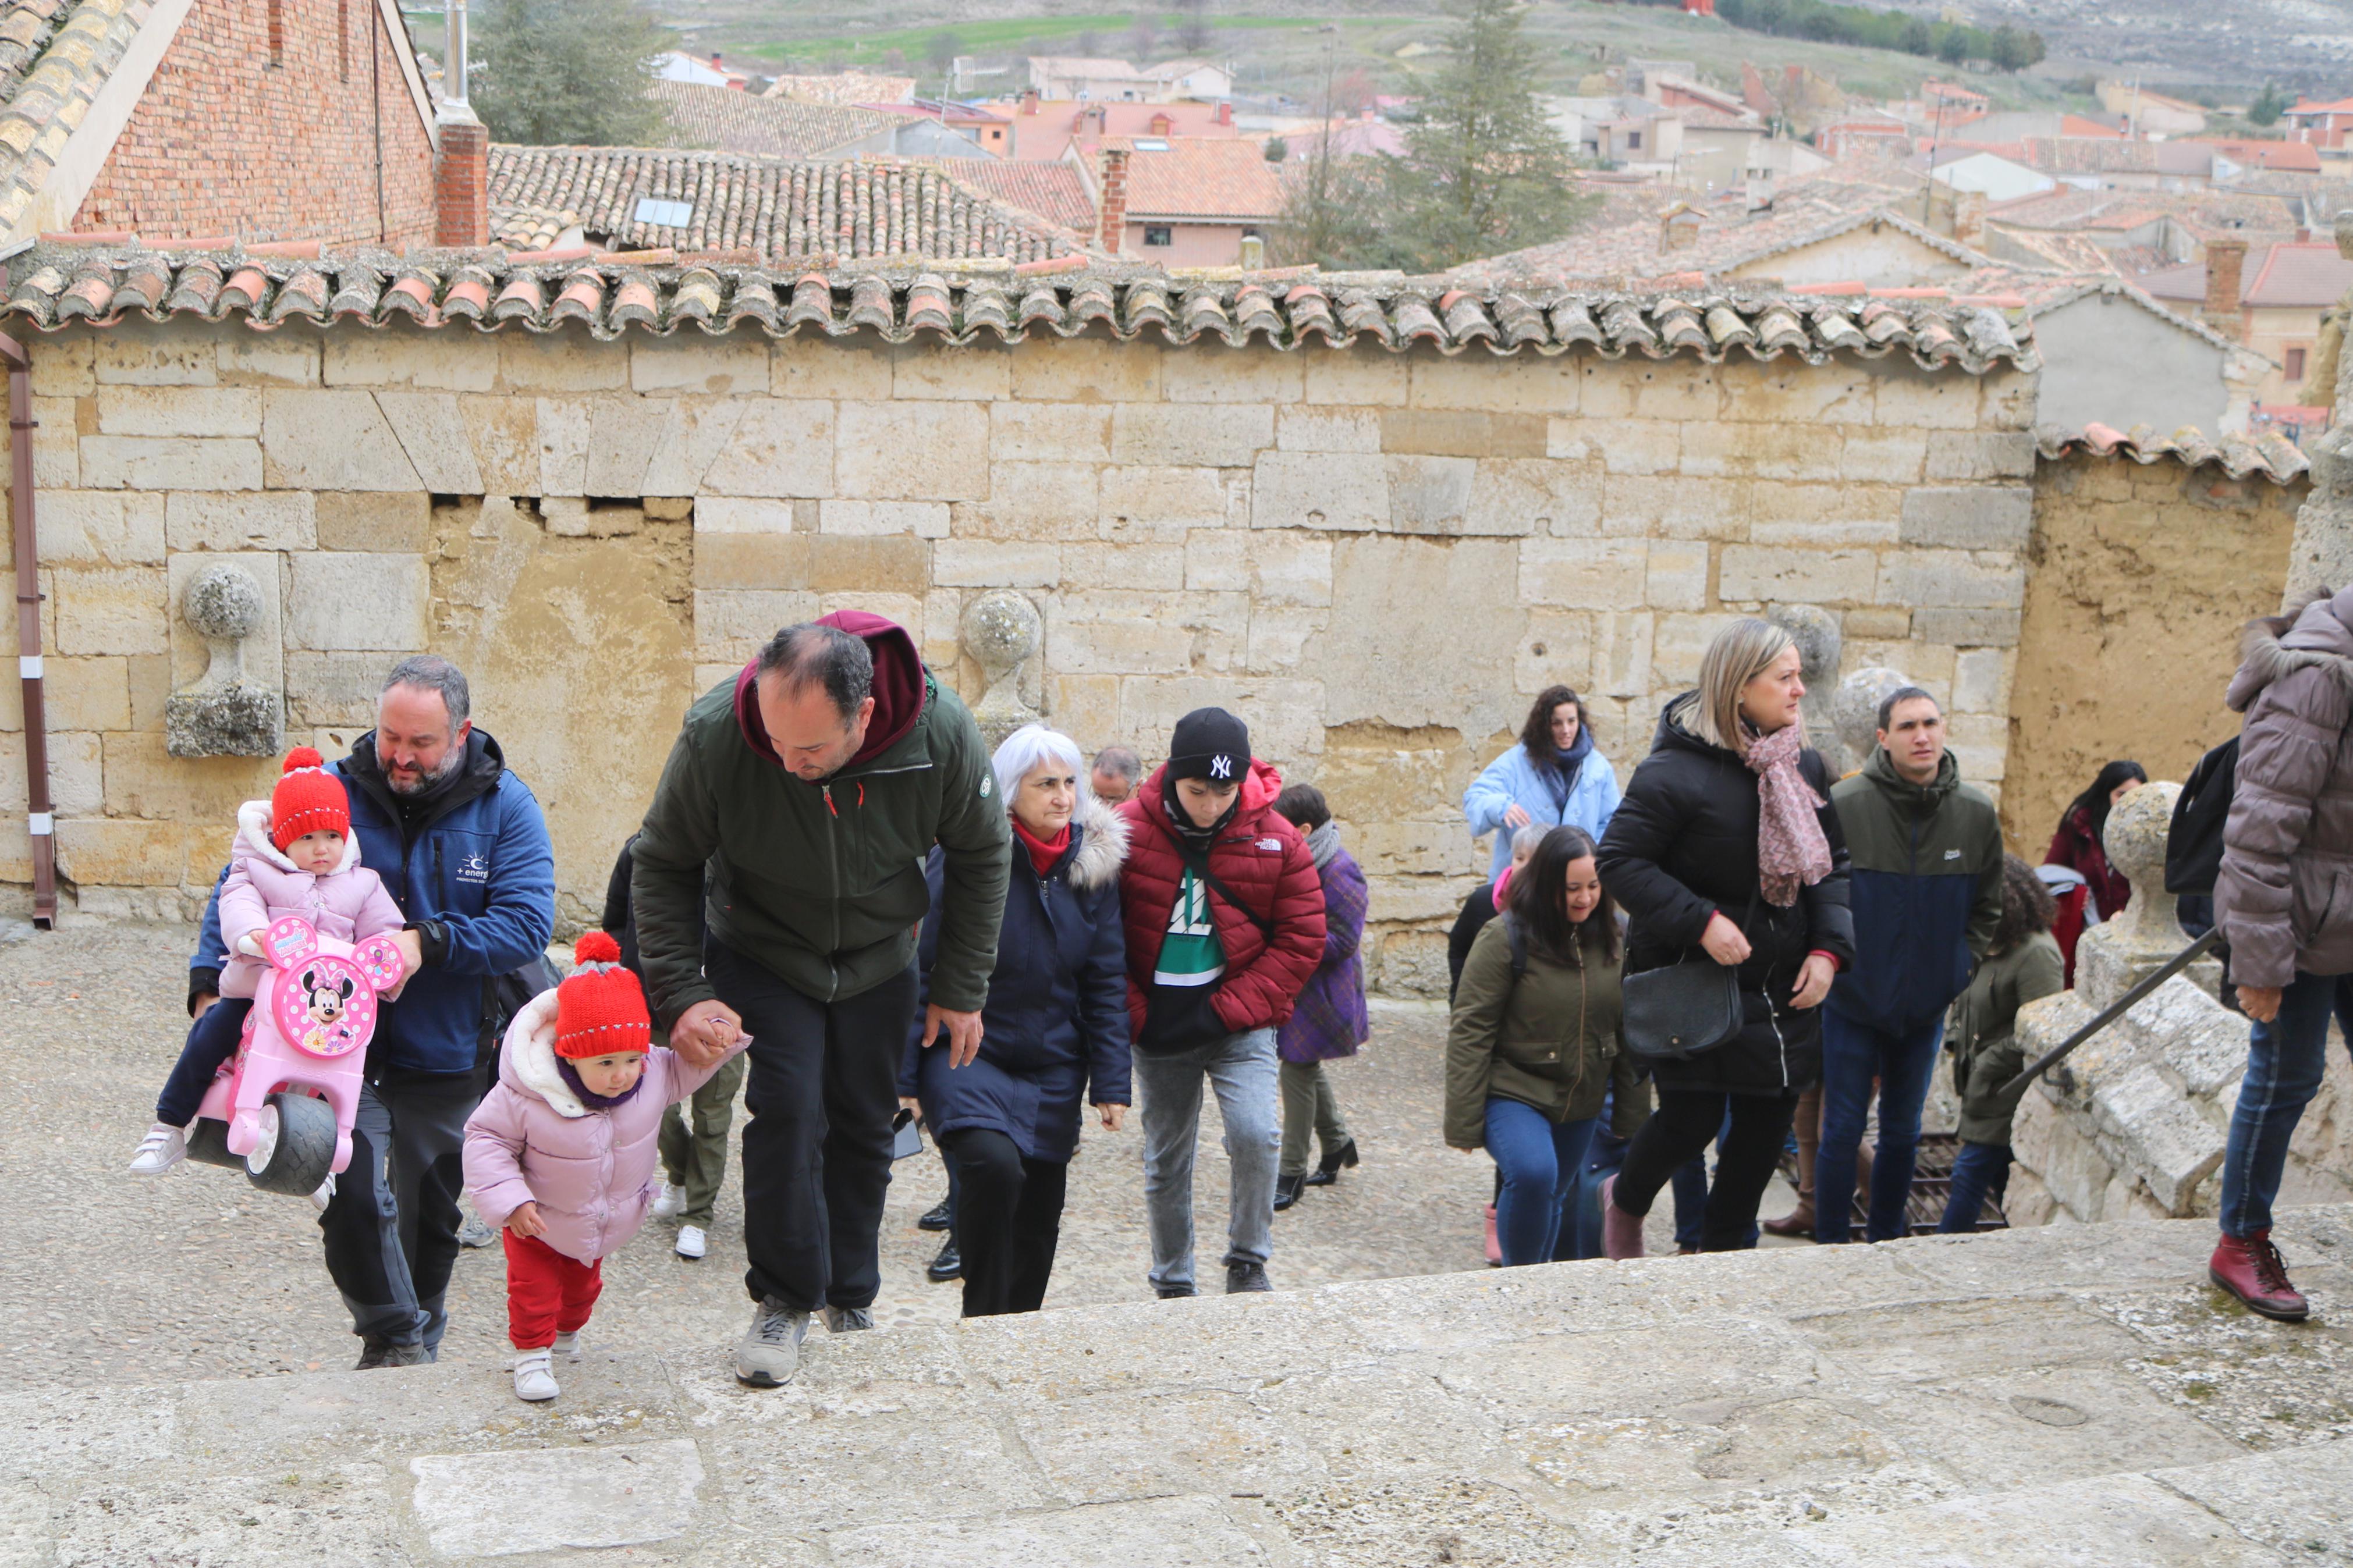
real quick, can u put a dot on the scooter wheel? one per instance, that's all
(208, 1144)
(298, 1145)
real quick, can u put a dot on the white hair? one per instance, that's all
(1018, 755)
(1526, 840)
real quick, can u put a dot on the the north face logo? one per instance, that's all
(1271, 846)
(1221, 767)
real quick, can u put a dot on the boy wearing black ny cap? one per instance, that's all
(1224, 916)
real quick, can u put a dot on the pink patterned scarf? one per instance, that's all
(1791, 852)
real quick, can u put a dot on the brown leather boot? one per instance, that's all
(2252, 1269)
(1799, 1221)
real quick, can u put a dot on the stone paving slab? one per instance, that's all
(1862, 1407)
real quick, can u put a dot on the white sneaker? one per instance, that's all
(568, 1345)
(534, 1379)
(691, 1242)
(163, 1148)
(669, 1199)
(324, 1194)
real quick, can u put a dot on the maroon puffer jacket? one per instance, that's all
(2284, 897)
(1263, 858)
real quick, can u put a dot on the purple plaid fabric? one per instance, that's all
(1329, 1019)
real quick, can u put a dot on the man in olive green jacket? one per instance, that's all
(807, 792)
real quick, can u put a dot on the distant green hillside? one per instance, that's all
(1287, 53)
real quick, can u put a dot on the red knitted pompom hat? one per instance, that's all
(600, 1009)
(307, 799)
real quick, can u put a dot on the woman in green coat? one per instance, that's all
(1535, 1041)
(1981, 1033)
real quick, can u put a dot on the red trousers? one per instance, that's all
(548, 1293)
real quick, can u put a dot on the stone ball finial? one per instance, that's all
(2135, 838)
(1855, 710)
(223, 602)
(1820, 644)
(1000, 630)
(2344, 234)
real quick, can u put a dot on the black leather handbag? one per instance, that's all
(1677, 1011)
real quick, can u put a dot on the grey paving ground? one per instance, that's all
(112, 1279)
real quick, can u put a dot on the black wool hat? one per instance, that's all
(1209, 743)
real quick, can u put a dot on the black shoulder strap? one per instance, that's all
(1201, 865)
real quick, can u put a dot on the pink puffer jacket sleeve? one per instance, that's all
(493, 1156)
(377, 913)
(242, 908)
(680, 1080)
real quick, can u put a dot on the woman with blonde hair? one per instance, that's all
(1726, 844)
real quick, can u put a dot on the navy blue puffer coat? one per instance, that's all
(1054, 1030)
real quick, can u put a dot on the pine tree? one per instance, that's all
(1484, 170)
(2269, 105)
(560, 72)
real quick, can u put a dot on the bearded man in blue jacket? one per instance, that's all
(461, 846)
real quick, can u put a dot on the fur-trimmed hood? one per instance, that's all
(2314, 632)
(253, 838)
(1103, 846)
(528, 1062)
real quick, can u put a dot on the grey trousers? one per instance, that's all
(696, 1158)
(1308, 1101)
(1239, 1069)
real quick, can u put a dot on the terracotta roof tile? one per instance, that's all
(55, 55)
(2283, 276)
(776, 208)
(2270, 455)
(844, 88)
(994, 300)
(1198, 177)
(722, 119)
(1055, 192)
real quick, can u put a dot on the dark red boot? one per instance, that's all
(2252, 1269)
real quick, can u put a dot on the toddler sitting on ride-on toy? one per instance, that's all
(561, 1151)
(294, 855)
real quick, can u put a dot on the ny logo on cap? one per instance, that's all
(1221, 767)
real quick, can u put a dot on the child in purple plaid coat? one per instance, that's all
(1329, 1020)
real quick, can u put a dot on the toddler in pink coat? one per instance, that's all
(562, 1153)
(294, 855)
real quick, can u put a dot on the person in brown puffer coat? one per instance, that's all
(2284, 902)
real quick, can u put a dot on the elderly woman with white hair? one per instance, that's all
(1054, 1030)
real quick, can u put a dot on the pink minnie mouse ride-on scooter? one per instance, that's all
(282, 1107)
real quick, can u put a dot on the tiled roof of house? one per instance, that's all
(1055, 192)
(1061, 121)
(2283, 276)
(1804, 213)
(2030, 292)
(59, 285)
(722, 119)
(843, 88)
(2105, 156)
(1696, 117)
(1199, 178)
(55, 55)
(2271, 456)
(775, 208)
(2295, 157)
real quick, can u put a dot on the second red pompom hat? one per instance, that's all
(601, 1008)
(307, 799)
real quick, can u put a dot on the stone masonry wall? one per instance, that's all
(1377, 558)
(2139, 581)
(322, 143)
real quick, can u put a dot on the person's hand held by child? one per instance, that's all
(1112, 1115)
(525, 1221)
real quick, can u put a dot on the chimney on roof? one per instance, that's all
(1029, 100)
(1161, 125)
(461, 156)
(1225, 111)
(2226, 262)
(1968, 218)
(1112, 223)
(1679, 230)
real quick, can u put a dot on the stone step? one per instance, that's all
(2071, 1394)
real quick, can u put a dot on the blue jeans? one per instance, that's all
(2284, 1061)
(1978, 1169)
(1540, 1159)
(1241, 1070)
(1580, 1225)
(212, 1040)
(1853, 1055)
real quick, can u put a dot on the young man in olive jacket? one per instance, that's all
(809, 788)
(1925, 890)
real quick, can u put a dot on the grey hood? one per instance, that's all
(2314, 633)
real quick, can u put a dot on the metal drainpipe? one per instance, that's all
(42, 821)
